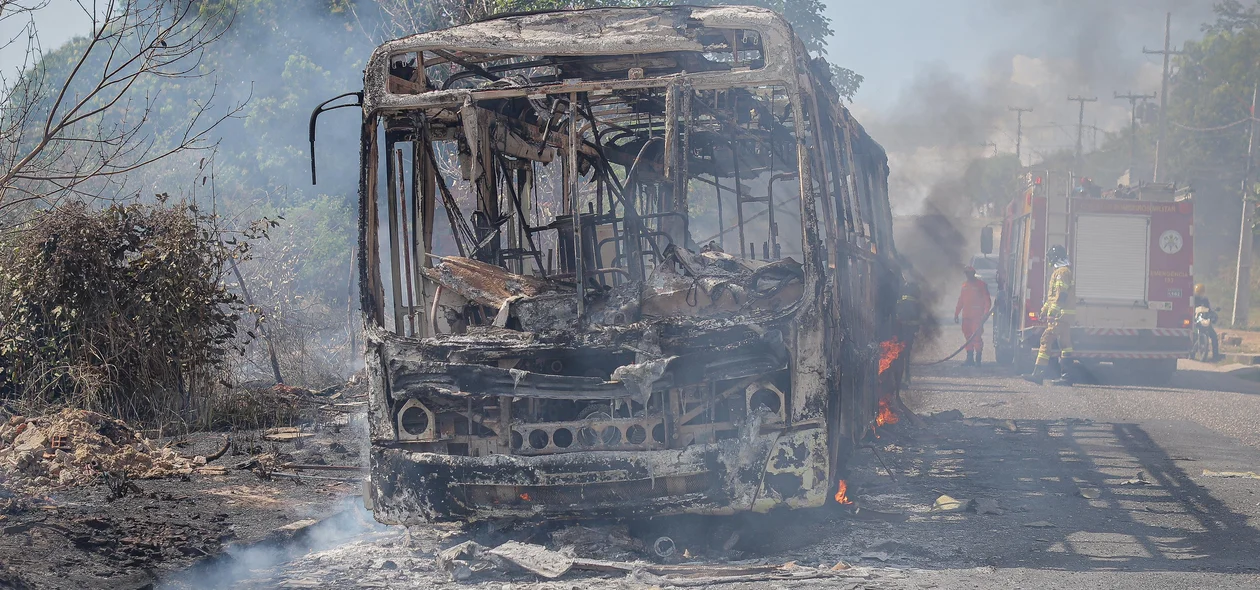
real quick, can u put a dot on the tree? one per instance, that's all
(77, 122)
(1207, 116)
(846, 81)
(992, 180)
(1232, 16)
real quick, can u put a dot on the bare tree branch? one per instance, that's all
(76, 130)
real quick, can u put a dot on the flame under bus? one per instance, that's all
(590, 283)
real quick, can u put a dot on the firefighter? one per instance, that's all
(973, 306)
(1087, 188)
(1201, 300)
(909, 318)
(1059, 310)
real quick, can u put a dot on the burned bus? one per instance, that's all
(616, 262)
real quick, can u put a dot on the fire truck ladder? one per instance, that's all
(1057, 216)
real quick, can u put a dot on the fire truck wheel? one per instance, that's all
(1024, 359)
(1003, 355)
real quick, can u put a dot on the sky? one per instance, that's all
(891, 41)
(940, 74)
(57, 22)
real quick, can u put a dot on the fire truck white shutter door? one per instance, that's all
(1112, 257)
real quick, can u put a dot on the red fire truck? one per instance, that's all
(1132, 254)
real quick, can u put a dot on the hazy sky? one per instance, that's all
(58, 22)
(940, 74)
(890, 42)
(889, 50)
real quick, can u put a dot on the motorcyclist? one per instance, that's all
(1201, 302)
(1059, 310)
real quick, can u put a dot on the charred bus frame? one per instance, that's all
(554, 324)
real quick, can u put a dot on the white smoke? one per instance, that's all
(1093, 48)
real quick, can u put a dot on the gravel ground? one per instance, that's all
(1112, 485)
(86, 536)
(1108, 485)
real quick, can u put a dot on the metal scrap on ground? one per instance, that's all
(469, 558)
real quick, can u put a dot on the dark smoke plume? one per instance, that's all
(944, 120)
(935, 247)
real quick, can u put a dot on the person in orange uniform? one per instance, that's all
(973, 305)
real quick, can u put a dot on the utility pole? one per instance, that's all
(1133, 99)
(1019, 130)
(1163, 92)
(1080, 125)
(1242, 278)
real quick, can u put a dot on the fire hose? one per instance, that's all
(977, 335)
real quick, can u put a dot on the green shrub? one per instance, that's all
(120, 310)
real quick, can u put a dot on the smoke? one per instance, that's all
(238, 564)
(933, 244)
(943, 120)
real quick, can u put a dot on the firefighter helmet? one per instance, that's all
(969, 271)
(1199, 290)
(1056, 254)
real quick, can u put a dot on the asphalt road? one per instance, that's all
(1124, 474)
(1111, 485)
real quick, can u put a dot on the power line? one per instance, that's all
(1080, 125)
(1133, 98)
(1163, 91)
(1209, 129)
(1019, 129)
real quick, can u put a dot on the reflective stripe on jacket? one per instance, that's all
(1061, 294)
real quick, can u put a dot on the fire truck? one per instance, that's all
(1132, 254)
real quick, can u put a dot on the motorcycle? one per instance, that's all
(1201, 349)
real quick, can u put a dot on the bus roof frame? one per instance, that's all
(621, 31)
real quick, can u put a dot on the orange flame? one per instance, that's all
(888, 352)
(525, 497)
(885, 415)
(841, 497)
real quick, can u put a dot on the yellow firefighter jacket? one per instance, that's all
(1061, 294)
